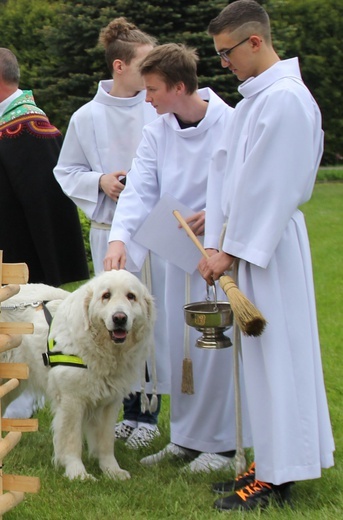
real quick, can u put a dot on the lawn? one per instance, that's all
(163, 492)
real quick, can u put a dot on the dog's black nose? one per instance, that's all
(119, 319)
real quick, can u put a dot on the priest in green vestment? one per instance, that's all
(39, 224)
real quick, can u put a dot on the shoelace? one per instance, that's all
(252, 489)
(250, 471)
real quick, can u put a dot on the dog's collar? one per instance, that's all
(53, 358)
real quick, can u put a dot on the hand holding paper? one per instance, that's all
(161, 234)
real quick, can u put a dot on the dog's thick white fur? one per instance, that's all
(108, 323)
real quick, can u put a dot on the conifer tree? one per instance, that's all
(56, 44)
(77, 63)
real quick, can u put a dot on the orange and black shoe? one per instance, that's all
(254, 495)
(238, 483)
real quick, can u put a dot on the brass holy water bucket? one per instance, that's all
(212, 319)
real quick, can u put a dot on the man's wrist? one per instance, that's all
(99, 186)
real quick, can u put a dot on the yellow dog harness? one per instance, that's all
(53, 358)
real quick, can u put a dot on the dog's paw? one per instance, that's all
(81, 476)
(117, 474)
(77, 471)
(110, 467)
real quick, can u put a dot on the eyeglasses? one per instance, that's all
(224, 55)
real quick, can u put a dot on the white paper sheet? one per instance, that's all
(161, 234)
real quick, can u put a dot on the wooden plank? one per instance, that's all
(15, 273)
(14, 370)
(19, 483)
(12, 327)
(19, 425)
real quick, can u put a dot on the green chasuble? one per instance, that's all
(39, 224)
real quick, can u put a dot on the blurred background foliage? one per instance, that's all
(56, 43)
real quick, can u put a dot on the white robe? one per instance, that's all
(102, 137)
(273, 147)
(175, 161)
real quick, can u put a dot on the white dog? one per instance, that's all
(102, 333)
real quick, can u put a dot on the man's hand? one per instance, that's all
(212, 268)
(116, 256)
(110, 184)
(197, 223)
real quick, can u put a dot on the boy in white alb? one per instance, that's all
(103, 135)
(273, 146)
(174, 157)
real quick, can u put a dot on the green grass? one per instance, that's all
(330, 173)
(163, 492)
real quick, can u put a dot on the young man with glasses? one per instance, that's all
(273, 147)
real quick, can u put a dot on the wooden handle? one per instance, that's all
(190, 233)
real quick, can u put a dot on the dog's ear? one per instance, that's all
(150, 304)
(86, 302)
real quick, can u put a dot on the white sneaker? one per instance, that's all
(123, 430)
(23, 406)
(170, 451)
(207, 462)
(142, 437)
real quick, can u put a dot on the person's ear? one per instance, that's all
(255, 41)
(180, 87)
(118, 66)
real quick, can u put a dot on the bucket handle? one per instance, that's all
(208, 298)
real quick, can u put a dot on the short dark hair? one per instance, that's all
(9, 67)
(175, 63)
(247, 16)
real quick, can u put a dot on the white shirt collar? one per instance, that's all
(6, 102)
